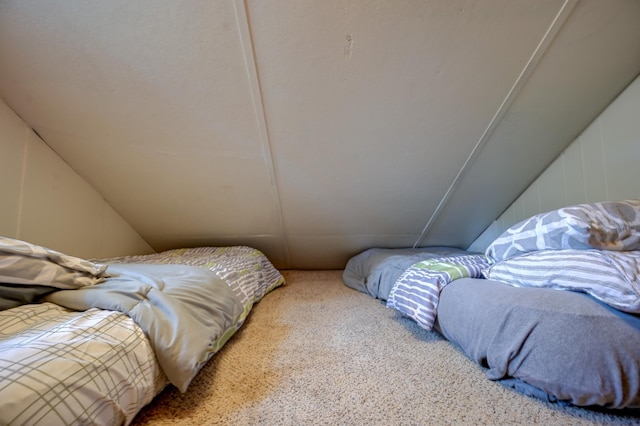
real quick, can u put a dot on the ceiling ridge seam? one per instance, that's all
(247, 45)
(544, 44)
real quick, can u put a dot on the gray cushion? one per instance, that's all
(609, 225)
(565, 344)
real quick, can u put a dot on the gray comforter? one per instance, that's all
(374, 271)
(185, 311)
(560, 346)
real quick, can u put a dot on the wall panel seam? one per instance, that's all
(544, 44)
(248, 50)
(23, 177)
(604, 158)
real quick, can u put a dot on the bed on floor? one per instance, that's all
(551, 309)
(92, 342)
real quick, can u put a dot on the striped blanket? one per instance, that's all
(613, 277)
(417, 291)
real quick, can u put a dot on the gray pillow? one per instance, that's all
(609, 225)
(566, 344)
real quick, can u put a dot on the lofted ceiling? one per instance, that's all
(313, 129)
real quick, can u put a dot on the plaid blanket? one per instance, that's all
(59, 366)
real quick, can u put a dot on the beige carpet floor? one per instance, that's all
(315, 352)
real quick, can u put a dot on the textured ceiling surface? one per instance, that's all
(313, 130)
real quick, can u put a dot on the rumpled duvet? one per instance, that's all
(28, 271)
(417, 292)
(187, 312)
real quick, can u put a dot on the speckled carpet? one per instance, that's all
(315, 352)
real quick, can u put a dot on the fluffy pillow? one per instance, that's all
(612, 277)
(610, 225)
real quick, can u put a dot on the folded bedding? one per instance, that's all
(100, 350)
(28, 271)
(551, 308)
(186, 312)
(559, 346)
(592, 248)
(25, 263)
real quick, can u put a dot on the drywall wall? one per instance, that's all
(313, 130)
(45, 202)
(601, 164)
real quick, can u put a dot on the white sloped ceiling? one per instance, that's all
(313, 129)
